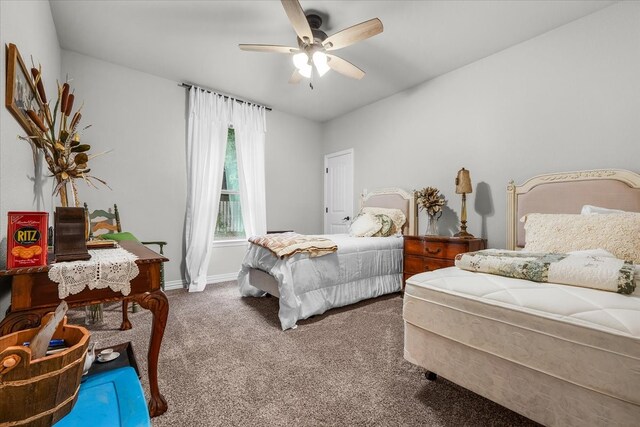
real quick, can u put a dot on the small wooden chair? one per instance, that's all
(104, 222)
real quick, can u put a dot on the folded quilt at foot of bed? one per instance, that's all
(588, 271)
(287, 244)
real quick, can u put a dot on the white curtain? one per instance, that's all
(209, 118)
(249, 126)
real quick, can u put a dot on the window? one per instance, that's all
(229, 225)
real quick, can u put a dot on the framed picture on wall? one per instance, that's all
(20, 93)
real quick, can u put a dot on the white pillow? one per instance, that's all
(396, 215)
(365, 225)
(590, 209)
(562, 233)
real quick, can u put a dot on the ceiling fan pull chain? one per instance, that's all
(312, 78)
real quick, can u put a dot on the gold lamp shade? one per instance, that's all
(463, 186)
(463, 182)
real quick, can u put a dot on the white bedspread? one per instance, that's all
(363, 267)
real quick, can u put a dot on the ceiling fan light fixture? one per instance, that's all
(313, 43)
(301, 60)
(305, 71)
(320, 61)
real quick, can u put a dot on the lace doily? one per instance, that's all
(107, 268)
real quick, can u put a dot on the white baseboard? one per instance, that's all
(216, 278)
(174, 284)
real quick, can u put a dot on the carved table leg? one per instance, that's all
(19, 320)
(126, 324)
(157, 303)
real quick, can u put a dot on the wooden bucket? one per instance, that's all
(41, 391)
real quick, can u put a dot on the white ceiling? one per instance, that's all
(197, 42)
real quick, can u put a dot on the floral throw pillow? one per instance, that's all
(397, 216)
(365, 225)
(388, 226)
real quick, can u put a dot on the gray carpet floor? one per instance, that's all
(226, 362)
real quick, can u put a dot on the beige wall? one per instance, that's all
(294, 163)
(142, 118)
(28, 25)
(566, 100)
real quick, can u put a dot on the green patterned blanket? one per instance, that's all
(589, 271)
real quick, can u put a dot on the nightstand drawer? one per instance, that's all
(438, 249)
(425, 248)
(416, 264)
(428, 253)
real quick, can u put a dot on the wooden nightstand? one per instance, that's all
(427, 253)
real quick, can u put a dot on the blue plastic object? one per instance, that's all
(109, 399)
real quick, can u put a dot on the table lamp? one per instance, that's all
(463, 186)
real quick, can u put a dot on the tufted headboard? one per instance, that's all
(567, 192)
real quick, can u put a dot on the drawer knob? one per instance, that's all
(433, 251)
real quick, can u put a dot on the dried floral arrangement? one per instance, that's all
(58, 138)
(430, 200)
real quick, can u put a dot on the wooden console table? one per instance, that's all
(33, 295)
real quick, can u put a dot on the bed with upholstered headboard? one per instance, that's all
(360, 268)
(394, 198)
(560, 355)
(567, 193)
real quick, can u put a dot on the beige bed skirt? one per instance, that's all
(540, 397)
(533, 393)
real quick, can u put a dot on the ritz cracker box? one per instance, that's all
(27, 239)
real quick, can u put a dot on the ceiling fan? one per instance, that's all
(313, 44)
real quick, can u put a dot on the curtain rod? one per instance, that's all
(189, 86)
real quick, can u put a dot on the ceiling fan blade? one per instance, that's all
(298, 19)
(296, 77)
(270, 48)
(344, 67)
(354, 34)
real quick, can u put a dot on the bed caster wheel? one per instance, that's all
(431, 376)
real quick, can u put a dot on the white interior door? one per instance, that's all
(338, 192)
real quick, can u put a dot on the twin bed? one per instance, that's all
(557, 354)
(362, 267)
(560, 355)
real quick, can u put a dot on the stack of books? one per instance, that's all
(55, 346)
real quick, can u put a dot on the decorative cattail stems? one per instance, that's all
(64, 98)
(37, 78)
(47, 115)
(36, 120)
(76, 119)
(67, 111)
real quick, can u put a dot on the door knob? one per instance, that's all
(346, 218)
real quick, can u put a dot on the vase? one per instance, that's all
(432, 225)
(62, 191)
(93, 314)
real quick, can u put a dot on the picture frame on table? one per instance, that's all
(20, 94)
